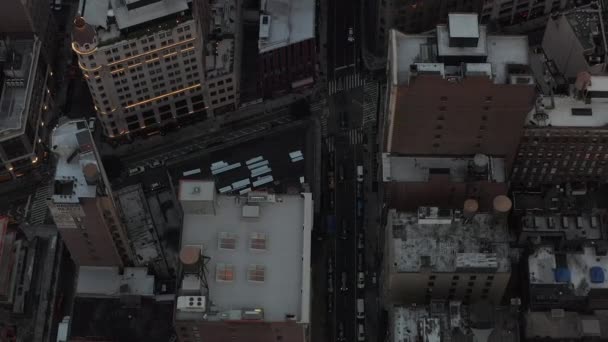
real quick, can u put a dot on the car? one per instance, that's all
(374, 280)
(343, 288)
(92, 124)
(341, 332)
(360, 280)
(361, 333)
(360, 308)
(341, 173)
(136, 170)
(156, 186)
(360, 173)
(351, 35)
(360, 241)
(331, 181)
(154, 163)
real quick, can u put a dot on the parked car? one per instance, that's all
(330, 303)
(361, 333)
(360, 280)
(344, 231)
(330, 265)
(360, 308)
(155, 186)
(360, 262)
(341, 332)
(360, 173)
(360, 241)
(136, 170)
(330, 283)
(374, 280)
(351, 35)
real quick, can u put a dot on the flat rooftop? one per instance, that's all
(566, 326)
(112, 319)
(281, 227)
(72, 144)
(285, 22)
(108, 281)
(582, 227)
(419, 169)
(18, 61)
(96, 12)
(450, 245)
(453, 321)
(497, 52)
(567, 111)
(580, 270)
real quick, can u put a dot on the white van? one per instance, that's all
(361, 333)
(360, 308)
(360, 173)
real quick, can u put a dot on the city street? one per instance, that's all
(343, 32)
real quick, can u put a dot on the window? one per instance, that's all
(256, 273)
(472, 277)
(257, 242)
(224, 272)
(226, 240)
(455, 277)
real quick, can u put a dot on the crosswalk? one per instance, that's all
(370, 103)
(39, 209)
(355, 136)
(345, 83)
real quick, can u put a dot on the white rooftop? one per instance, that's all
(96, 12)
(104, 281)
(291, 21)
(285, 225)
(195, 190)
(500, 51)
(419, 169)
(542, 264)
(480, 244)
(559, 112)
(66, 143)
(463, 25)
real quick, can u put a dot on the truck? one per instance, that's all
(331, 224)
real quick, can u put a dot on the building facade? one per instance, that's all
(287, 46)
(151, 64)
(457, 91)
(246, 277)
(440, 254)
(82, 205)
(26, 106)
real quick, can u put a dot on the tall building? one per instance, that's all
(565, 138)
(457, 91)
(151, 64)
(408, 16)
(287, 47)
(246, 276)
(28, 17)
(569, 280)
(81, 204)
(447, 182)
(440, 254)
(26, 106)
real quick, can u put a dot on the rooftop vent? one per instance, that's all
(191, 303)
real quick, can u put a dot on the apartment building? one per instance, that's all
(569, 280)
(81, 204)
(152, 65)
(457, 91)
(287, 46)
(447, 182)
(246, 276)
(524, 15)
(443, 254)
(565, 137)
(412, 16)
(448, 321)
(26, 106)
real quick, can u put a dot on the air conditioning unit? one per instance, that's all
(191, 303)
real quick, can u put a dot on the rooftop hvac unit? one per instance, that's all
(191, 303)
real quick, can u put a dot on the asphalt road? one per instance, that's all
(342, 52)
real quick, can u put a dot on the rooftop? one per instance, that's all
(453, 321)
(102, 281)
(74, 149)
(566, 325)
(583, 227)
(18, 60)
(436, 53)
(98, 12)
(584, 271)
(419, 169)
(257, 256)
(437, 240)
(285, 22)
(114, 319)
